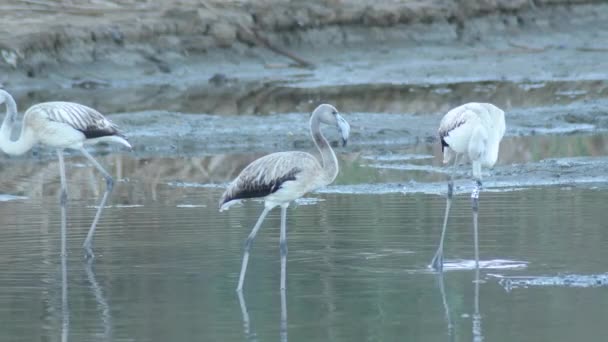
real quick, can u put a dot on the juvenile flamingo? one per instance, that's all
(61, 125)
(282, 177)
(474, 130)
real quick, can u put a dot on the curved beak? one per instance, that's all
(344, 128)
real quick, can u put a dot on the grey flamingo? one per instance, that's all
(61, 125)
(282, 177)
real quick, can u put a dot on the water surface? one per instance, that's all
(167, 261)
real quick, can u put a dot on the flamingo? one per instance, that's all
(282, 177)
(62, 125)
(474, 130)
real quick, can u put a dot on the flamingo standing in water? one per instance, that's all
(474, 130)
(282, 177)
(61, 125)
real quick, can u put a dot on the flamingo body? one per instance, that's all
(474, 130)
(277, 178)
(70, 125)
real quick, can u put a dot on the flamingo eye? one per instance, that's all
(334, 112)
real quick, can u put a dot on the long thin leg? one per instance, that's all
(477, 332)
(475, 207)
(446, 307)
(245, 314)
(437, 262)
(102, 303)
(109, 185)
(65, 310)
(283, 244)
(63, 199)
(248, 243)
(283, 316)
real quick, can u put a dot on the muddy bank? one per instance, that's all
(530, 58)
(150, 41)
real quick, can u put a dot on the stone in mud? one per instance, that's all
(10, 57)
(223, 33)
(218, 79)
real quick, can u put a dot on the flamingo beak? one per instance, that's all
(344, 128)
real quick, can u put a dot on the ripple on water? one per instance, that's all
(116, 206)
(398, 157)
(569, 280)
(7, 197)
(496, 264)
(308, 200)
(414, 167)
(179, 184)
(191, 206)
(384, 252)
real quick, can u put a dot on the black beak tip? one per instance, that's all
(344, 141)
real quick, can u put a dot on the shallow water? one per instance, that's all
(167, 261)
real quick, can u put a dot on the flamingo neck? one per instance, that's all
(11, 114)
(26, 139)
(328, 157)
(492, 152)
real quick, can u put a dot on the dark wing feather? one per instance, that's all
(452, 120)
(85, 119)
(250, 186)
(266, 175)
(443, 143)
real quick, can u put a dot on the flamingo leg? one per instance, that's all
(102, 303)
(437, 262)
(109, 185)
(248, 243)
(446, 307)
(283, 327)
(63, 199)
(283, 244)
(245, 314)
(475, 207)
(477, 332)
(65, 310)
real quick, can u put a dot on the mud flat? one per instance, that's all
(180, 91)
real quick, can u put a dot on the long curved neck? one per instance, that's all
(328, 157)
(11, 115)
(26, 138)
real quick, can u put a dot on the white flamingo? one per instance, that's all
(61, 125)
(474, 130)
(282, 177)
